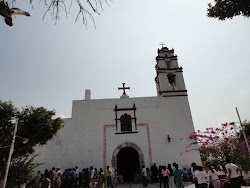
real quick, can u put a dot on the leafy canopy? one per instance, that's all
(36, 124)
(226, 9)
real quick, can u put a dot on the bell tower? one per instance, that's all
(169, 79)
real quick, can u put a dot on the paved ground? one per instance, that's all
(151, 185)
(134, 185)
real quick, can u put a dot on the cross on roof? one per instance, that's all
(123, 87)
(162, 44)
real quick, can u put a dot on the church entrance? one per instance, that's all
(128, 163)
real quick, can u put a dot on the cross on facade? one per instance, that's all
(123, 87)
(162, 44)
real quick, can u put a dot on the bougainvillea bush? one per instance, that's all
(216, 144)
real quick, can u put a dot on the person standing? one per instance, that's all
(115, 178)
(178, 176)
(213, 176)
(108, 175)
(77, 176)
(46, 183)
(92, 173)
(154, 172)
(53, 177)
(171, 177)
(232, 172)
(194, 169)
(148, 175)
(93, 183)
(58, 180)
(86, 177)
(102, 182)
(144, 176)
(68, 178)
(201, 177)
(38, 179)
(160, 175)
(165, 173)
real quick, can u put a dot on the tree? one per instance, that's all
(54, 7)
(225, 9)
(36, 124)
(216, 144)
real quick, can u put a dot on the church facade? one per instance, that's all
(127, 133)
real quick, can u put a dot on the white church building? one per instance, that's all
(126, 133)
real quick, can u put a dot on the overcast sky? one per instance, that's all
(43, 64)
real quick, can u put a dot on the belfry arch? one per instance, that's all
(124, 145)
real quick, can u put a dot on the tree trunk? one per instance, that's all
(3, 169)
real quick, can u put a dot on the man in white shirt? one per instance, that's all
(194, 169)
(108, 175)
(77, 175)
(144, 176)
(201, 176)
(232, 172)
(92, 173)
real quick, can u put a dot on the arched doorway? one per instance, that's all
(128, 163)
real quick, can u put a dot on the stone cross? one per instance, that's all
(123, 87)
(162, 44)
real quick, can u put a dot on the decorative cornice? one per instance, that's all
(172, 57)
(176, 95)
(173, 69)
(178, 91)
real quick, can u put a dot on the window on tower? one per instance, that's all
(168, 64)
(126, 124)
(171, 79)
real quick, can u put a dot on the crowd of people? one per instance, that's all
(202, 177)
(73, 178)
(170, 176)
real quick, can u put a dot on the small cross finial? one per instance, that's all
(123, 88)
(162, 45)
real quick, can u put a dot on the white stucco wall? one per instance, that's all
(80, 142)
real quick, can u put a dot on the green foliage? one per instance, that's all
(224, 9)
(36, 124)
(26, 166)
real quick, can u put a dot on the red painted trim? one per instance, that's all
(149, 142)
(116, 117)
(135, 118)
(105, 143)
